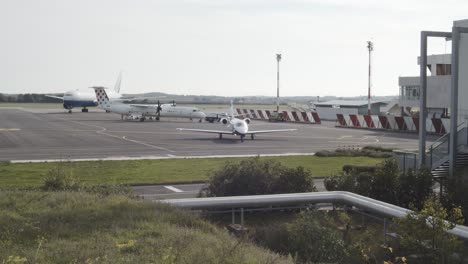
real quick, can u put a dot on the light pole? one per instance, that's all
(370, 47)
(278, 59)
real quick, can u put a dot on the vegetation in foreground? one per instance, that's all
(20, 175)
(88, 227)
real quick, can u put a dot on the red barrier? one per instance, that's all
(401, 123)
(239, 112)
(355, 120)
(416, 123)
(286, 116)
(253, 114)
(268, 113)
(369, 121)
(295, 116)
(305, 117)
(260, 114)
(384, 121)
(341, 119)
(439, 127)
(316, 118)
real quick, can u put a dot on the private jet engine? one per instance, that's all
(224, 120)
(247, 120)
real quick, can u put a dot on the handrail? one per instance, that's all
(349, 198)
(446, 135)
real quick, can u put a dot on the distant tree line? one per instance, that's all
(27, 98)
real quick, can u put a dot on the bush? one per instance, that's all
(367, 151)
(359, 169)
(384, 183)
(58, 179)
(311, 241)
(255, 176)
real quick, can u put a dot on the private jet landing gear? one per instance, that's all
(142, 119)
(242, 138)
(84, 110)
(199, 121)
(220, 136)
(69, 111)
(252, 136)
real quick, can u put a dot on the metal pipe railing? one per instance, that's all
(348, 198)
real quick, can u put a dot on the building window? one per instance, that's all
(410, 92)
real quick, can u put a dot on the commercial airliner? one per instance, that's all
(85, 97)
(143, 111)
(238, 127)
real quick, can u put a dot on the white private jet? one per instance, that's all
(86, 98)
(238, 127)
(142, 111)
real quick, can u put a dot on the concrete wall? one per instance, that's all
(463, 75)
(329, 113)
(438, 91)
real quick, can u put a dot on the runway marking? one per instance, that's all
(9, 129)
(103, 132)
(137, 142)
(173, 189)
(170, 155)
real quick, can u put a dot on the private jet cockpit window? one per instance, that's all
(239, 124)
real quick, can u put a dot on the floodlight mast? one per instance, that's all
(370, 47)
(278, 59)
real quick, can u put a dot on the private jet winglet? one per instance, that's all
(239, 127)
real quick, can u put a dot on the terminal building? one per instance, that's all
(443, 92)
(438, 88)
(328, 110)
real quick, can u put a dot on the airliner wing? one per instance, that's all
(143, 106)
(53, 96)
(206, 131)
(271, 131)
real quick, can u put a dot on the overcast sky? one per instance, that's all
(217, 47)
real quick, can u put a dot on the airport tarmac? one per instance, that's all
(179, 191)
(42, 134)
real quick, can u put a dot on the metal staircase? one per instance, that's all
(438, 154)
(442, 170)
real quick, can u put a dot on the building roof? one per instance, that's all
(348, 103)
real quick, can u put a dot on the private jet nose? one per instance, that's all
(241, 128)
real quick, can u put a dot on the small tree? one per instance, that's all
(424, 233)
(414, 188)
(310, 241)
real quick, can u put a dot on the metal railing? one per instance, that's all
(437, 153)
(334, 197)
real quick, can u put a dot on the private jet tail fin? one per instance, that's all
(101, 97)
(117, 83)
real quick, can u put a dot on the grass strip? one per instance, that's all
(18, 175)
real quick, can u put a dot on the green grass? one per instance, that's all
(80, 227)
(33, 105)
(18, 175)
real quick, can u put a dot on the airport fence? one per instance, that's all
(289, 116)
(438, 126)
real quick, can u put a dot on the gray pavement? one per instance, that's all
(39, 134)
(179, 191)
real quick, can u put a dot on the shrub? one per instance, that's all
(58, 179)
(359, 169)
(255, 176)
